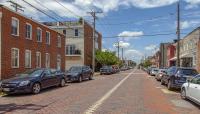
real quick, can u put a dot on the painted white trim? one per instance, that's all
(47, 54)
(28, 51)
(30, 31)
(40, 59)
(38, 28)
(16, 19)
(59, 41)
(17, 59)
(48, 43)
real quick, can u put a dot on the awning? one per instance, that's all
(173, 59)
(186, 55)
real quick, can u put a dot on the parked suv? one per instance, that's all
(106, 70)
(177, 76)
(191, 90)
(79, 73)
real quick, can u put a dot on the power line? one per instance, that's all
(37, 1)
(68, 9)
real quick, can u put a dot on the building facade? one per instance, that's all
(163, 55)
(171, 52)
(78, 42)
(26, 44)
(189, 49)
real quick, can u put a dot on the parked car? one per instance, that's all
(124, 68)
(160, 73)
(116, 69)
(191, 90)
(177, 76)
(149, 69)
(154, 71)
(106, 70)
(33, 81)
(79, 73)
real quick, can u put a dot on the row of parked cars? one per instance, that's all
(34, 80)
(185, 79)
(113, 69)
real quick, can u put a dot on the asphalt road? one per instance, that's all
(129, 92)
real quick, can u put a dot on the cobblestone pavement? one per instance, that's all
(129, 92)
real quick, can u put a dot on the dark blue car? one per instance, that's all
(177, 76)
(33, 81)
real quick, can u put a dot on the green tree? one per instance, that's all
(106, 58)
(146, 63)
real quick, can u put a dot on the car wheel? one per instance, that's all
(169, 85)
(162, 82)
(183, 93)
(80, 79)
(90, 77)
(62, 83)
(36, 88)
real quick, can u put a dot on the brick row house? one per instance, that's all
(79, 41)
(27, 44)
(189, 51)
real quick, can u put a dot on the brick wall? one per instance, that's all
(8, 41)
(88, 43)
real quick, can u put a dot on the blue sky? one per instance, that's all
(125, 18)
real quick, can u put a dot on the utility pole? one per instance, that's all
(16, 6)
(93, 14)
(178, 34)
(118, 49)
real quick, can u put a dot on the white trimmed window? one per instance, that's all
(15, 26)
(28, 31)
(15, 58)
(59, 41)
(48, 37)
(38, 60)
(39, 34)
(58, 62)
(47, 60)
(27, 59)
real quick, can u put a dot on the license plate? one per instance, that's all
(6, 89)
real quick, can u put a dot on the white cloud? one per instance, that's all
(130, 33)
(80, 7)
(150, 47)
(189, 24)
(122, 44)
(127, 35)
(192, 4)
(133, 54)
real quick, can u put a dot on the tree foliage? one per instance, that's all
(146, 63)
(106, 58)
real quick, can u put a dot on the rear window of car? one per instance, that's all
(188, 72)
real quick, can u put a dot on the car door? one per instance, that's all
(55, 77)
(194, 88)
(84, 72)
(46, 79)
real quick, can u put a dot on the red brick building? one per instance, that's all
(27, 44)
(171, 52)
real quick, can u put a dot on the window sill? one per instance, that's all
(15, 67)
(15, 35)
(28, 38)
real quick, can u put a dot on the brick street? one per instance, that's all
(138, 94)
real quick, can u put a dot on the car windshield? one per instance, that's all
(75, 69)
(106, 67)
(189, 72)
(31, 73)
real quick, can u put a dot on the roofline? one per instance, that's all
(198, 28)
(5, 7)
